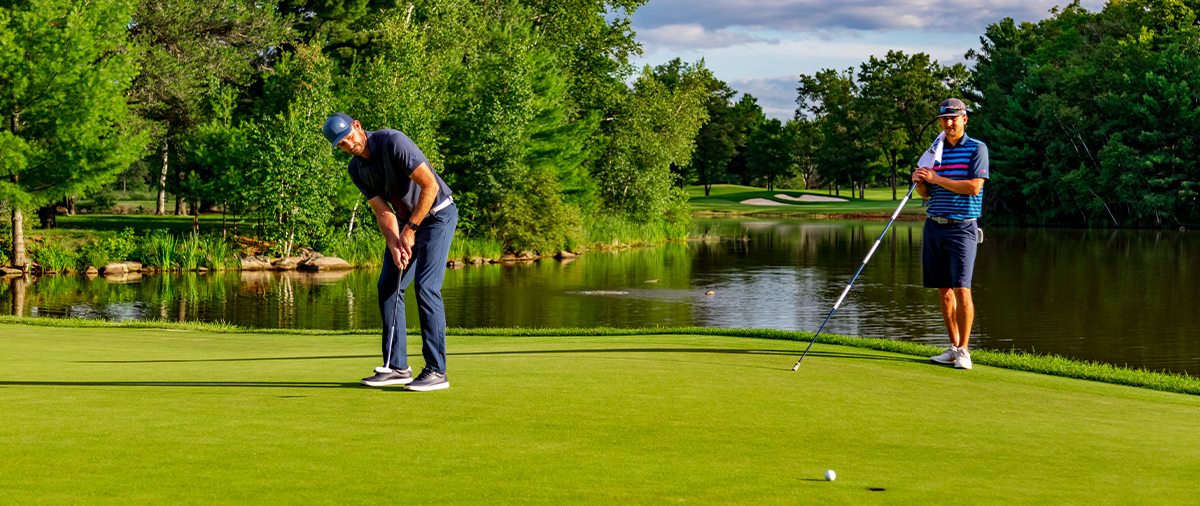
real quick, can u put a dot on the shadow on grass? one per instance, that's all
(283, 384)
(788, 353)
(210, 384)
(255, 359)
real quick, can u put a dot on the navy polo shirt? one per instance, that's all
(394, 157)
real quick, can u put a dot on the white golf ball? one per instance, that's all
(830, 475)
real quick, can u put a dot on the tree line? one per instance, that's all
(852, 128)
(1091, 119)
(532, 112)
(529, 109)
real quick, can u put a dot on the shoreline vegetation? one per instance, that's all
(93, 252)
(1053, 365)
(103, 243)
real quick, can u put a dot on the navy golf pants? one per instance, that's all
(426, 268)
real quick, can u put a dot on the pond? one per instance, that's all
(1128, 297)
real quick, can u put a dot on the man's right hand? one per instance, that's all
(399, 257)
(923, 174)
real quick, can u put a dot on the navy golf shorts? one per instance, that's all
(948, 254)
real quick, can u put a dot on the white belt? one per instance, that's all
(445, 203)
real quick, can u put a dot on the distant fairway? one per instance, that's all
(728, 198)
(149, 416)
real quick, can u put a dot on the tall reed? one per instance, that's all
(362, 248)
(189, 253)
(608, 230)
(158, 250)
(464, 248)
(217, 254)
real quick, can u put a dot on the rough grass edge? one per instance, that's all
(1053, 365)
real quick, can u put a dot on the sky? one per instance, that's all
(762, 46)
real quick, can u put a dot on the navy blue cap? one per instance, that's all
(337, 127)
(952, 107)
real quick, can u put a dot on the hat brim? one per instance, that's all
(953, 114)
(337, 140)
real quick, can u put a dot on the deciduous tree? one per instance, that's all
(191, 46)
(64, 70)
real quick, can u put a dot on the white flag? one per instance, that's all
(934, 153)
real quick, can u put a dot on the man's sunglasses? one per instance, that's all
(950, 110)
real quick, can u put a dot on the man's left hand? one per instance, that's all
(407, 239)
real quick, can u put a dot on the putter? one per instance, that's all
(860, 268)
(387, 361)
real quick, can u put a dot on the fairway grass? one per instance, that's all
(727, 199)
(127, 415)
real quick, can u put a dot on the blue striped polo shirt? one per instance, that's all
(966, 160)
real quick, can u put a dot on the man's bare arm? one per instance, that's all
(389, 225)
(961, 187)
(424, 178)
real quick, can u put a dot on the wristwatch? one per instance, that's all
(412, 225)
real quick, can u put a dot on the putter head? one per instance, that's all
(796, 367)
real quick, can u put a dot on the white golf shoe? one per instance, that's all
(963, 361)
(947, 357)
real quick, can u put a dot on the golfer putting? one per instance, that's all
(417, 217)
(951, 175)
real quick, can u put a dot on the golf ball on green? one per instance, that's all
(830, 475)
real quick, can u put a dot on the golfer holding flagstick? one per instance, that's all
(952, 173)
(417, 218)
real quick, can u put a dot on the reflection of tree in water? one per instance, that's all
(287, 303)
(17, 287)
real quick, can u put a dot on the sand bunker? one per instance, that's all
(809, 198)
(763, 202)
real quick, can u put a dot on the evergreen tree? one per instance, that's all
(849, 152)
(743, 119)
(1090, 117)
(767, 153)
(804, 141)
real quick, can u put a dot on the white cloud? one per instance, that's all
(741, 40)
(694, 36)
(809, 53)
(808, 15)
(776, 95)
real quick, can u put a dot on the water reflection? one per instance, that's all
(1126, 297)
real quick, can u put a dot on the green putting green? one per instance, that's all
(152, 416)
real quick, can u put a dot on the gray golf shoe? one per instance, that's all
(428, 380)
(386, 376)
